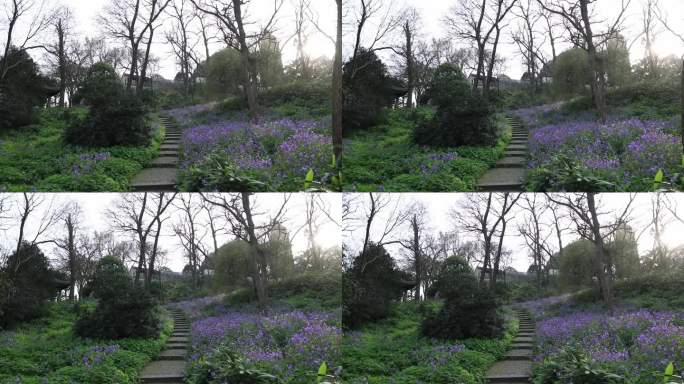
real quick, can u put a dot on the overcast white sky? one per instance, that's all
(433, 11)
(439, 205)
(94, 206)
(258, 12)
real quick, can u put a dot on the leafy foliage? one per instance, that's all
(385, 158)
(370, 286)
(46, 350)
(27, 283)
(572, 366)
(38, 159)
(368, 89)
(21, 90)
(463, 117)
(116, 117)
(468, 311)
(123, 310)
(225, 365)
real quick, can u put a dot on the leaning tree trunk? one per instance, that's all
(337, 92)
(597, 79)
(682, 106)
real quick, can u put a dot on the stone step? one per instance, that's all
(511, 162)
(165, 162)
(515, 345)
(178, 339)
(517, 142)
(523, 339)
(167, 152)
(515, 154)
(502, 180)
(519, 147)
(509, 371)
(155, 180)
(163, 371)
(169, 147)
(172, 354)
(518, 354)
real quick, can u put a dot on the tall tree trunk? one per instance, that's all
(146, 59)
(682, 106)
(597, 78)
(257, 254)
(409, 63)
(248, 74)
(71, 250)
(600, 261)
(337, 91)
(492, 60)
(417, 257)
(61, 58)
(499, 250)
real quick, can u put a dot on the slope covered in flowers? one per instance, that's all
(626, 151)
(290, 344)
(637, 344)
(273, 154)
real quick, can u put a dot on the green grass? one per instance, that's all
(384, 158)
(393, 351)
(36, 158)
(47, 351)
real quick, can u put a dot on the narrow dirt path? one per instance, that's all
(161, 175)
(516, 366)
(509, 172)
(169, 368)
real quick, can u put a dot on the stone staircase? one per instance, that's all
(509, 172)
(516, 366)
(162, 173)
(169, 368)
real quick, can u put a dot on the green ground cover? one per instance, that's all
(385, 158)
(36, 158)
(393, 351)
(47, 351)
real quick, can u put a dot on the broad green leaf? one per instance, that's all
(669, 371)
(310, 176)
(660, 176)
(322, 371)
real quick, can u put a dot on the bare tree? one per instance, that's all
(68, 244)
(181, 40)
(21, 36)
(52, 214)
(483, 214)
(231, 21)
(580, 21)
(133, 21)
(586, 214)
(409, 27)
(62, 23)
(536, 233)
(663, 20)
(240, 214)
(527, 39)
(396, 217)
(551, 25)
(191, 234)
(138, 215)
(480, 22)
(414, 245)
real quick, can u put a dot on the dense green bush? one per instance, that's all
(566, 174)
(368, 89)
(27, 283)
(22, 89)
(469, 310)
(370, 286)
(116, 117)
(572, 366)
(463, 117)
(123, 309)
(227, 366)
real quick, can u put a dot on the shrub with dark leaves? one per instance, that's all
(117, 117)
(123, 310)
(21, 90)
(468, 311)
